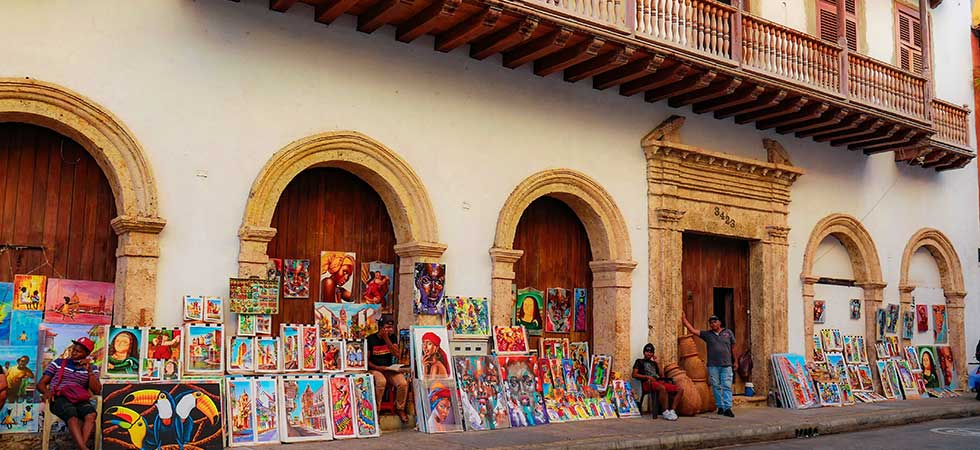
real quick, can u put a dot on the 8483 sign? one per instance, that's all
(729, 220)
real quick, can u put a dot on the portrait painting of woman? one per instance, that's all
(337, 277)
(123, 353)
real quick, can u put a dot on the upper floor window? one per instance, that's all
(908, 35)
(827, 22)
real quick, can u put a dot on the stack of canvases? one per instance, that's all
(935, 362)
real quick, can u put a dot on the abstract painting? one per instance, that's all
(581, 310)
(310, 339)
(161, 354)
(123, 353)
(162, 416)
(429, 288)
(342, 407)
(440, 408)
(908, 323)
(213, 310)
(510, 340)
(241, 411)
(891, 325)
(365, 406)
(266, 411)
(554, 348)
(241, 354)
(819, 311)
(296, 278)
(523, 391)
(528, 310)
(246, 324)
(855, 309)
(579, 351)
(346, 320)
(940, 329)
(378, 284)
(75, 301)
(430, 352)
(303, 409)
(468, 316)
(337, 272)
(483, 405)
(203, 345)
(273, 270)
(253, 296)
(944, 354)
(332, 355)
(54, 341)
(193, 308)
(29, 292)
(922, 316)
(291, 352)
(356, 354)
(263, 324)
(558, 311)
(599, 372)
(267, 358)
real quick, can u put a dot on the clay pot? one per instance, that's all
(696, 369)
(689, 403)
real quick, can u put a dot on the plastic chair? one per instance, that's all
(386, 404)
(50, 419)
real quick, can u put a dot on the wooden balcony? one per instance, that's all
(714, 57)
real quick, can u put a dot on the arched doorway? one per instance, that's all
(556, 255)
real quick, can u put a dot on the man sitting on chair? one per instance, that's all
(67, 384)
(647, 371)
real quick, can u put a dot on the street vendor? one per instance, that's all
(647, 371)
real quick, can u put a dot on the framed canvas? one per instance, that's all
(332, 356)
(337, 272)
(240, 393)
(865, 377)
(296, 278)
(346, 320)
(579, 351)
(893, 379)
(263, 324)
(580, 316)
(528, 310)
(818, 354)
(55, 341)
(912, 357)
(268, 358)
(310, 339)
(908, 324)
(886, 387)
(599, 372)
(405, 343)
(29, 292)
(922, 318)
(204, 349)
(852, 353)
(213, 310)
(23, 326)
(266, 410)
(558, 309)
(861, 348)
(468, 317)
(356, 354)
(440, 411)
(553, 348)
(161, 354)
(522, 389)
(273, 270)
(303, 409)
(253, 296)
(291, 353)
(907, 380)
(22, 407)
(365, 406)
(625, 402)
(829, 394)
(193, 308)
(195, 407)
(378, 284)
(880, 324)
(891, 325)
(430, 352)
(510, 340)
(429, 288)
(246, 324)
(940, 329)
(482, 403)
(855, 309)
(944, 354)
(76, 301)
(241, 354)
(342, 407)
(123, 353)
(819, 311)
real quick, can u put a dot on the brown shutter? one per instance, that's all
(827, 22)
(908, 34)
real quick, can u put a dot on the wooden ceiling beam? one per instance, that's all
(909, 153)
(904, 137)
(331, 10)
(681, 87)
(747, 94)
(660, 78)
(719, 88)
(600, 64)
(629, 72)
(765, 101)
(380, 14)
(281, 5)
(861, 132)
(426, 20)
(806, 115)
(828, 120)
(504, 39)
(959, 163)
(788, 107)
(568, 57)
(938, 158)
(538, 48)
(464, 32)
(850, 123)
(883, 133)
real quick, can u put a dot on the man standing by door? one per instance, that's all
(721, 360)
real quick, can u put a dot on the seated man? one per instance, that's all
(647, 370)
(67, 384)
(382, 354)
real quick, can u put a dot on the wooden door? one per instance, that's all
(556, 254)
(716, 282)
(328, 209)
(53, 195)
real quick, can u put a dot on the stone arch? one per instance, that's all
(612, 264)
(401, 189)
(864, 263)
(125, 166)
(951, 277)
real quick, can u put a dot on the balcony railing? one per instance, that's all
(951, 123)
(605, 13)
(875, 83)
(699, 25)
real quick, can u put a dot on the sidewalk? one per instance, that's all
(752, 424)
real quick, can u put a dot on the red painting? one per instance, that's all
(77, 301)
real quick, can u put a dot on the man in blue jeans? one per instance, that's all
(721, 361)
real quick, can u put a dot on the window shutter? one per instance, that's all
(827, 22)
(909, 37)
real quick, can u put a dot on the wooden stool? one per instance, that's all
(50, 419)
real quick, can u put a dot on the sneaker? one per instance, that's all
(670, 415)
(728, 413)
(721, 412)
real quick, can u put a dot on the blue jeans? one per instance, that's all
(721, 386)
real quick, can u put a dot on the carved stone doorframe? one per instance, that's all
(694, 190)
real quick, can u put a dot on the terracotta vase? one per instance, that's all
(696, 370)
(689, 403)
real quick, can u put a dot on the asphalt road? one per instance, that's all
(959, 434)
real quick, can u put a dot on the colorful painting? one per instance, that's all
(440, 406)
(365, 406)
(123, 353)
(296, 278)
(554, 348)
(623, 398)
(599, 372)
(907, 380)
(880, 324)
(24, 326)
(429, 289)
(944, 354)
(203, 347)
(794, 376)
(580, 319)
(829, 394)
(266, 411)
(855, 309)
(819, 311)
(558, 309)
(310, 339)
(430, 352)
(342, 408)
(337, 272)
(579, 351)
(510, 340)
(263, 324)
(940, 329)
(865, 377)
(355, 353)
(273, 270)
(291, 352)
(405, 342)
(193, 308)
(6, 311)
(483, 404)
(241, 411)
(523, 391)
(852, 352)
(267, 357)
(908, 324)
(54, 341)
(912, 357)
(891, 374)
(241, 354)
(922, 316)
(29, 292)
(22, 370)
(75, 301)
(332, 355)
(253, 296)
(20, 417)
(162, 415)
(346, 320)
(378, 284)
(304, 410)
(246, 324)
(213, 309)
(891, 325)
(818, 353)
(468, 316)
(832, 340)
(161, 354)
(528, 310)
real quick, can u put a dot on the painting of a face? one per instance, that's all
(430, 281)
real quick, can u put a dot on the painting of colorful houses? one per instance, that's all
(76, 301)
(346, 320)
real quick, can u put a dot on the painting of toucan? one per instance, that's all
(162, 416)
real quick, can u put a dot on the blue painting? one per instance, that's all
(6, 307)
(24, 327)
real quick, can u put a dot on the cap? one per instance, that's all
(648, 348)
(714, 318)
(387, 320)
(85, 342)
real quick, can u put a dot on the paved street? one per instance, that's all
(960, 434)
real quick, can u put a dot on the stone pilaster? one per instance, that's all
(611, 284)
(957, 340)
(666, 282)
(253, 252)
(905, 302)
(137, 256)
(808, 294)
(410, 253)
(874, 293)
(502, 278)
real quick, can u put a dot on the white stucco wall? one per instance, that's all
(217, 87)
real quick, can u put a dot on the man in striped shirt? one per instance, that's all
(75, 373)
